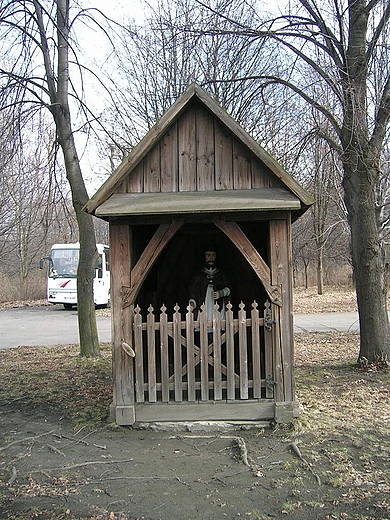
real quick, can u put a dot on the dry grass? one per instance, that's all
(345, 422)
(58, 379)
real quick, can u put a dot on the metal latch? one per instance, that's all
(268, 321)
(270, 383)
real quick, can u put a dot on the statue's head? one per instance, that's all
(210, 257)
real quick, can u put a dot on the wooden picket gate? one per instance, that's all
(200, 361)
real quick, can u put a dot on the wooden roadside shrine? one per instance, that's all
(197, 177)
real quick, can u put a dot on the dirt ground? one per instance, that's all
(62, 458)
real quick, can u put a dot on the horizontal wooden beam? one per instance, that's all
(216, 411)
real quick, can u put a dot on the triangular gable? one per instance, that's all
(193, 94)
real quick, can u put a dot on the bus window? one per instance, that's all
(107, 255)
(64, 263)
(99, 267)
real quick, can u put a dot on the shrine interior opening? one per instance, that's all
(217, 373)
(168, 281)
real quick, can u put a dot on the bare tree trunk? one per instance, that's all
(320, 271)
(361, 160)
(89, 341)
(368, 263)
(50, 36)
(306, 264)
(350, 46)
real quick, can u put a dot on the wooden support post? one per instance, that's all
(122, 408)
(231, 389)
(190, 354)
(243, 354)
(177, 360)
(269, 353)
(204, 355)
(255, 320)
(281, 274)
(151, 340)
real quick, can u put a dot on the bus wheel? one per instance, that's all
(68, 306)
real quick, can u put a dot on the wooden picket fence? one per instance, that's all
(194, 359)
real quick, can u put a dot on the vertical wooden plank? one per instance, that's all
(151, 349)
(242, 338)
(279, 389)
(187, 151)
(204, 355)
(256, 365)
(217, 354)
(205, 152)
(260, 174)
(139, 356)
(121, 319)
(241, 166)
(122, 187)
(231, 388)
(164, 355)
(169, 160)
(274, 181)
(281, 273)
(177, 362)
(152, 172)
(223, 158)
(136, 179)
(268, 352)
(190, 331)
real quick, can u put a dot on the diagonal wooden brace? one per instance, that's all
(146, 261)
(241, 241)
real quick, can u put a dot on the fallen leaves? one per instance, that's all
(333, 299)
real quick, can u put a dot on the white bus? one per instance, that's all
(62, 275)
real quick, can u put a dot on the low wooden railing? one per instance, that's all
(198, 360)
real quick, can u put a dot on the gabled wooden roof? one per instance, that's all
(113, 199)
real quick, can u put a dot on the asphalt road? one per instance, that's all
(52, 325)
(38, 326)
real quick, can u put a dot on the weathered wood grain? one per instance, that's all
(152, 171)
(280, 262)
(123, 380)
(169, 160)
(205, 202)
(205, 150)
(239, 239)
(187, 151)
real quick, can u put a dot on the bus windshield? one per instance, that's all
(64, 263)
